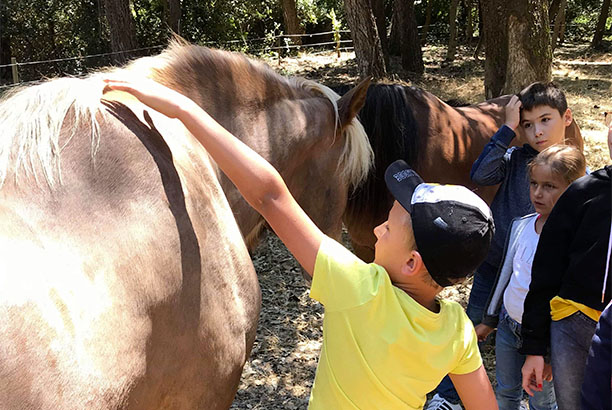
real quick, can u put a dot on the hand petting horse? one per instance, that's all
(125, 280)
(439, 141)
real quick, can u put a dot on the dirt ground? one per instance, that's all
(281, 369)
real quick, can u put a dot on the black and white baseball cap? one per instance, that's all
(452, 225)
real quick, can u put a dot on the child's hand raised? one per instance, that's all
(152, 94)
(513, 112)
(483, 331)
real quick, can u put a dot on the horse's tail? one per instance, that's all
(393, 133)
(32, 119)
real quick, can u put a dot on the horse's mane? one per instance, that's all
(178, 66)
(457, 102)
(32, 117)
(393, 133)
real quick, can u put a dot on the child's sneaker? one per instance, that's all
(440, 403)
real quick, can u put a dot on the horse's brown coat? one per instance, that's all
(126, 283)
(450, 141)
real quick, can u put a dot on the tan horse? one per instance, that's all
(125, 281)
(441, 142)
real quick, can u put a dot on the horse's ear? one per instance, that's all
(351, 102)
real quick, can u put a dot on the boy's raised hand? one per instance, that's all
(152, 94)
(513, 112)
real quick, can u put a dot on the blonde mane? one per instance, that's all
(32, 118)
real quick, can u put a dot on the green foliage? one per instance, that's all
(581, 18)
(58, 29)
(316, 13)
(52, 29)
(220, 21)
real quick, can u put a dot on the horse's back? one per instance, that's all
(127, 285)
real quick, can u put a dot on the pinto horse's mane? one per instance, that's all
(33, 117)
(393, 134)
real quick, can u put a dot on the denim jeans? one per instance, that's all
(484, 279)
(570, 339)
(509, 363)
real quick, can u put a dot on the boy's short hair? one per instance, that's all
(537, 94)
(452, 225)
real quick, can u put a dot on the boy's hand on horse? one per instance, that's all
(483, 331)
(160, 98)
(258, 181)
(513, 112)
(533, 371)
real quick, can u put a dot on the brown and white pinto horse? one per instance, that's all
(125, 281)
(440, 141)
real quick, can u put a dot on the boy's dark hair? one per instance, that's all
(538, 94)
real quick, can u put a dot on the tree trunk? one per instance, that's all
(601, 24)
(553, 10)
(378, 10)
(517, 45)
(529, 48)
(481, 34)
(562, 33)
(6, 73)
(412, 56)
(452, 29)
(427, 22)
(496, 46)
(395, 42)
(469, 29)
(370, 59)
(559, 20)
(292, 22)
(172, 14)
(122, 34)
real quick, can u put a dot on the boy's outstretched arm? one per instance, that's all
(258, 181)
(475, 390)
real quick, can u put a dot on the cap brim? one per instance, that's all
(402, 182)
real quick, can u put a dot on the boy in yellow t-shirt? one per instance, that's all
(387, 339)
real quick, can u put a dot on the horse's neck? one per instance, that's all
(487, 116)
(266, 113)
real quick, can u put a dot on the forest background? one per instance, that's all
(45, 38)
(465, 50)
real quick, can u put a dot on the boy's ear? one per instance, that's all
(567, 117)
(414, 264)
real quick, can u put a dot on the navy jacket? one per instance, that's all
(499, 164)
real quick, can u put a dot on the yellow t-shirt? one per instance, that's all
(381, 349)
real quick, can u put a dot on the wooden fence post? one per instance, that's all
(15, 72)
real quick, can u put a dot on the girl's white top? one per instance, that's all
(516, 292)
